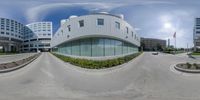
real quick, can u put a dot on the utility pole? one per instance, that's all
(174, 42)
(187, 48)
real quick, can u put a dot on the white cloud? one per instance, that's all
(38, 12)
(138, 29)
(34, 13)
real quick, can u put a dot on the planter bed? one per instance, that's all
(6, 67)
(94, 64)
(187, 67)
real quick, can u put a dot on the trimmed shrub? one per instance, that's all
(189, 65)
(92, 64)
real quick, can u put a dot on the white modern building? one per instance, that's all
(11, 35)
(98, 35)
(38, 37)
(196, 34)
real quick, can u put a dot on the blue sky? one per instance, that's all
(151, 18)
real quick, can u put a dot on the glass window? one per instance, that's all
(62, 48)
(125, 48)
(130, 48)
(69, 28)
(117, 25)
(197, 20)
(132, 33)
(198, 32)
(126, 29)
(97, 47)
(118, 48)
(109, 47)
(76, 48)
(86, 47)
(68, 48)
(2, 32)
(100, 21)
(81, 23)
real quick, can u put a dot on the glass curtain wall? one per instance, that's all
(96, 47)
(109, 47)
(86, 47)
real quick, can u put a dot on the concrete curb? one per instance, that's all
(18, 67)
(186, 70)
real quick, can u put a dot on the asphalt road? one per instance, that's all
(148, 77)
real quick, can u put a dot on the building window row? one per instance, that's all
(95, 47)
(117, 25)
(100, 22)
(81, 23)
(197, 32)
(69, 27)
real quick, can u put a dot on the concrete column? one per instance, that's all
(6, 47)
(9, 47)
(195, 48)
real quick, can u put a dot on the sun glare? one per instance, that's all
(167, 25)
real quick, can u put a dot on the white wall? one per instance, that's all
(92, 29)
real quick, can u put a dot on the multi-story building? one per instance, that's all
(39, 37)
(196, 34)
(98, 35)
(11, 35)
(151, 44)
(16, 37)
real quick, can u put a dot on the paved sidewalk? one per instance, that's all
(14, 57)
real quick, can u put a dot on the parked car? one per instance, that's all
(155, 53)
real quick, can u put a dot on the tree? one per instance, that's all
(159, 47)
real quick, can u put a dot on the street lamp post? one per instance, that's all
(187, 48)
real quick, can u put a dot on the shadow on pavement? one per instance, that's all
(190, 56)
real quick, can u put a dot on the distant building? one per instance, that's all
(168, 44)
(151, 44)
(16, 37)
(196, 34)
(11, 35)
(39, 38)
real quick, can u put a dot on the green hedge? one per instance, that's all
(195, 53)
(92, 64)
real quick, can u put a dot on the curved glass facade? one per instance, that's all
(96, 47)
